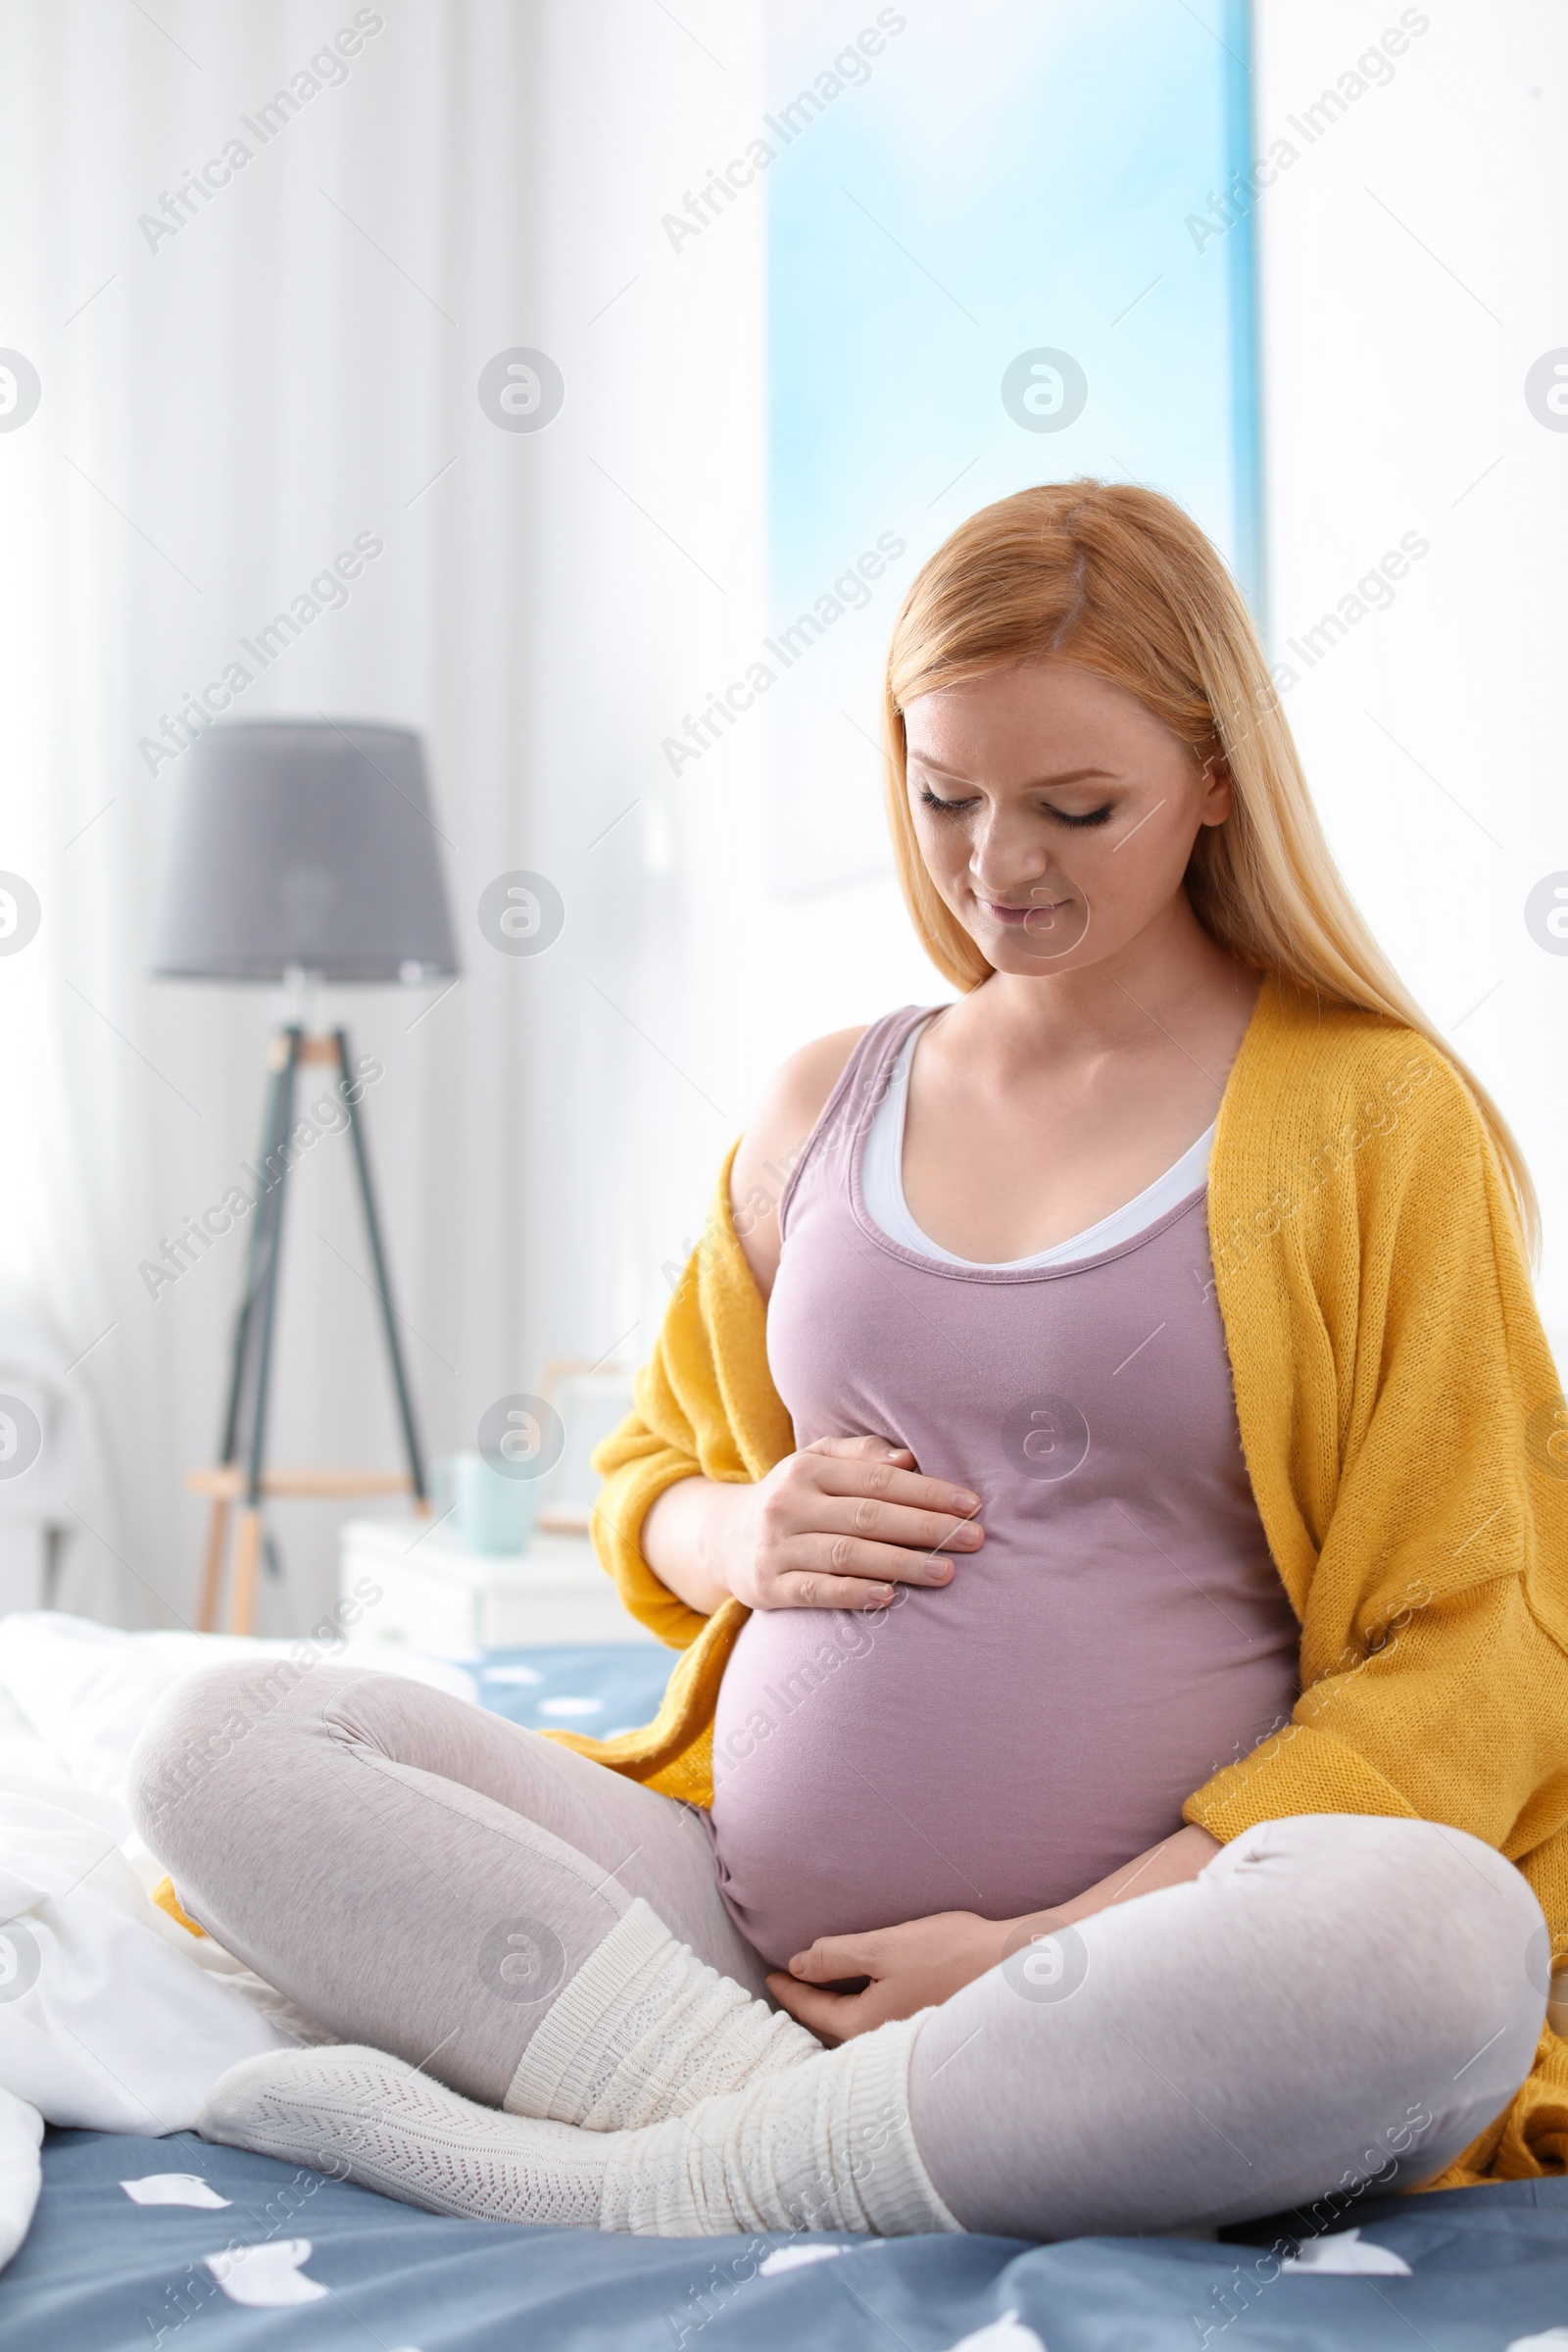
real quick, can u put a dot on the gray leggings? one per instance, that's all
(1336, 2001)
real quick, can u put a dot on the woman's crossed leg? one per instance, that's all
(1335, 2001)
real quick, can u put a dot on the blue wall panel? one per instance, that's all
(986, 181)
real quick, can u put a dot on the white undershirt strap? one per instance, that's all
(882, 1186)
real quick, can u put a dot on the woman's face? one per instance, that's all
(1055, 815)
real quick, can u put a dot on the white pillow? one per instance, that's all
(108, 2020)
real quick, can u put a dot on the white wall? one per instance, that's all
(1412, 272)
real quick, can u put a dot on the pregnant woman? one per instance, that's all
(1106, 1477)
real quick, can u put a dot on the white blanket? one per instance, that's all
(112, 2016)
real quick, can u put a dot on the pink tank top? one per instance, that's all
(1002, 1743)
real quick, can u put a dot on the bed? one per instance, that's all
(291, 2259)
(136, 2239)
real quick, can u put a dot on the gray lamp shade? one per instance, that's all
(304, 841)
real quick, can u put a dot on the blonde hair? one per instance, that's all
(1120, 581)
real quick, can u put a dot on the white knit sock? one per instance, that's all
(644, 2030)
(826, 2145)
(363, 2115)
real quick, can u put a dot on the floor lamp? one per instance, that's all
(304, 853)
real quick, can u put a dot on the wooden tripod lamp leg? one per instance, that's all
(247, 1560)
(212, 1565)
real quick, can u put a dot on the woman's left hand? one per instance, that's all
(926, 1961)
(910, 1967)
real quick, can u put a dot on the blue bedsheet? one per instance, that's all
(103, 2273)
(600, 1688)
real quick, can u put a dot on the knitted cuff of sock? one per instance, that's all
(878, 2181)
(825, 2147)
(645, 2030)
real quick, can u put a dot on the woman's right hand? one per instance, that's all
(839, 1525)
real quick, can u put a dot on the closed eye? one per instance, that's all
(1063, 816)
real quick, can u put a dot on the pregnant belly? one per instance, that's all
(957, 1754)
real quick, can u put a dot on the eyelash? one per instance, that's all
(1092, 816)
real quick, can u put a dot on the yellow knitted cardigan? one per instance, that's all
(1407, 1444)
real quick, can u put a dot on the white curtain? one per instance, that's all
(234, 386)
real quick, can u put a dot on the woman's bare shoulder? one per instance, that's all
(789, 1107)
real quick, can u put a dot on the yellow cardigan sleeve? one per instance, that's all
(1407, 1444)
(704, 1405)
(1398, 1408)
